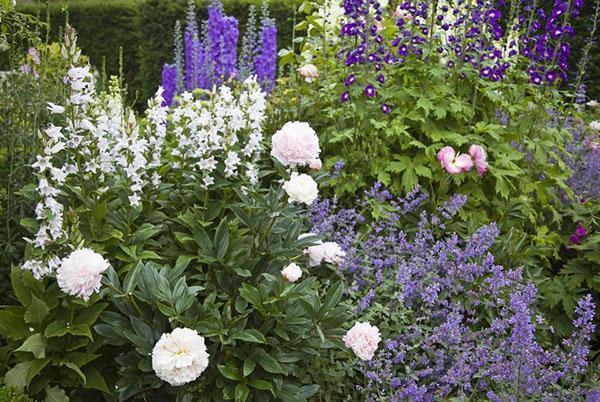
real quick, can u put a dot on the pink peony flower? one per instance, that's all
(295, 144)
(362, 339)
(479, 159)
(309, 72)
(315, 164)
(80, 274)
(454, 163)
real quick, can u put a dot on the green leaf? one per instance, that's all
(37, 311)
(56, 394)
(230, 372)
(56, 328)
(89, 315)
(95, 380)
(76, 369)
(241, 393)
(269, 364)
(35, 344)
(249, 366)
(17, 376)
(222, 239)
(249, 335)
(132, 278)
(261, 385)
(82, 330)
(12, 324)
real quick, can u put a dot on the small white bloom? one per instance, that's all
(291, 273)
(595, 125)
(55, 109)
(43, 163)
(592, 104)
(301, 188)
(362, 338)
(179, 357)
(80, 274)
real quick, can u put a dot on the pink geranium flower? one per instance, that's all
(454, 163)
(479, 158)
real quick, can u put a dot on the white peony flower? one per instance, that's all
(362, 338)
(309, 72)
(80, 274)
(301, 188)
(295, 144)
(329, 252)
(180, 356)
(291, 273)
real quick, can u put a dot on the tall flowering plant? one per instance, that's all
(211, 57)
(168, 258)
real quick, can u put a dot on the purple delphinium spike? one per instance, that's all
(169, 83)
(265, 63)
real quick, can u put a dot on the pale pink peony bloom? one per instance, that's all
(80, 274)
(291, 273)
(362, 338)
(454, 163)
(479, 158)
(296, 143)
(329, 252)
(315, 164)
(309, 72)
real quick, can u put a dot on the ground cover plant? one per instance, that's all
(409, 212)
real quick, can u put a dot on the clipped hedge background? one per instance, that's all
(144, 29)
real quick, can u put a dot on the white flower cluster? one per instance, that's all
(225, 125)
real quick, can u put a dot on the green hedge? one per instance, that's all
(144, 29)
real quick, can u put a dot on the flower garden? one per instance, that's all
(399, 203)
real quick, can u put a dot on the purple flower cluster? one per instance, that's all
(456, 323)
(579, 235)
(544, 41)
(461, 33)
(222, 39)
(169, 82)
(211, 58)
(265, 62)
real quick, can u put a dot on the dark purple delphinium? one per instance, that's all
(222, 39)
(265, 62)
(544, 40)
(249, 46)
(454, 322)
(169, 83)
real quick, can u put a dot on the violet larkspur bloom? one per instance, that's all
(345, 97)
(385, 108)
(370, 91)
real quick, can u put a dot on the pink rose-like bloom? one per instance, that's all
(80, 274)
(315, 164)
(291, 273)
(454, 163)
(329, 252)
(296, 143)
(362, 339)
(479, 159)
